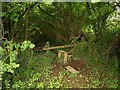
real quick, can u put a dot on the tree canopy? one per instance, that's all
(92, 29)
(62, 20)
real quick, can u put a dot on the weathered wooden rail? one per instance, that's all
(60, 52)
(57, 47)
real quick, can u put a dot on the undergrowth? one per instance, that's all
(34, 73)
(104, 71)
(35, 70)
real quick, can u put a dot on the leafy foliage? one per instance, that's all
(9, 51)
(60, 24)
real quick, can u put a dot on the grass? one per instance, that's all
(35, 72)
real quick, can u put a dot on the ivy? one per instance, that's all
(9, 51)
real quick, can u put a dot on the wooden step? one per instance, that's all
(71, 69)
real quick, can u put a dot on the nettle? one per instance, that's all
(9, 53)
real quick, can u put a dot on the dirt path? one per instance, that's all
(71, 80)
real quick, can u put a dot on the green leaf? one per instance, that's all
(16, 19)
(14, 65)
(1, 50)
(32, 45)
(17, 46)
(48, 1)
(6, 32)
(2, 14)
(94, 1)
(10, 70)
(1, 65)
(17, 65)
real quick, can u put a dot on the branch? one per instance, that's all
(88, 7)
(117, 4)
(93, 7)
(27, 10)
(48, 14)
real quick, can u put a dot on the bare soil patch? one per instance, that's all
(77, 81)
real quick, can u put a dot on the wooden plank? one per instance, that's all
(57, 47)
(47, 46)
(60, 52)
(65, 57)
(71, 69)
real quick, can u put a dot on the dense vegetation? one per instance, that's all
(27, 26)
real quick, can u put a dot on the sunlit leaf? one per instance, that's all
(32, 45)
(94, 1)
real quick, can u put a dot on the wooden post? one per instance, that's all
(59, 54)
(69, 57)
(65, 54)
(65, 57)
(47, 46)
